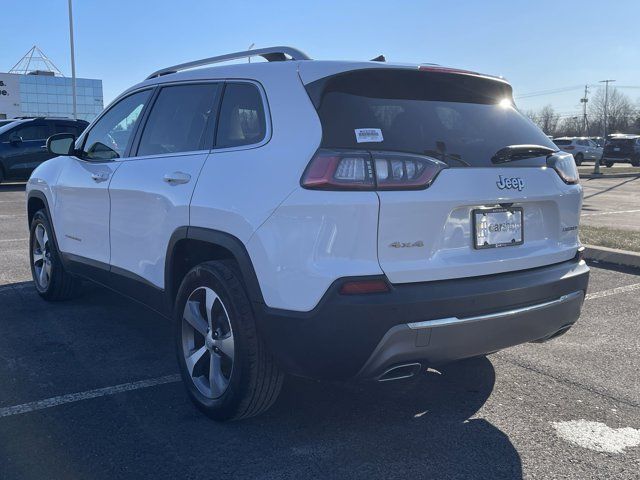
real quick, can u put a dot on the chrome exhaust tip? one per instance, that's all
(398, 372)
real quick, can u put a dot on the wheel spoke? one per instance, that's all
(37, 257)
(193, 316)
(226, 345)
(217, 382)
(192, 359)
(211, 298)
(40, 237)
(43, 277)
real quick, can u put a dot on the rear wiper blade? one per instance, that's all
(520, 152)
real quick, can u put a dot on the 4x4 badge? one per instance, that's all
(515, 183)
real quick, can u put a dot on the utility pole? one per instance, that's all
(73, 64)
(596, 169)
(583, 101)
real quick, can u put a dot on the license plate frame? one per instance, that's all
(477, 216)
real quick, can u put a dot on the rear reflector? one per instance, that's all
(354, 170)
(358, 287)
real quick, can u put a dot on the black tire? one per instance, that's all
(579, 159)
(608, 164)
(255, 381)
(61, 285)
(635, 161)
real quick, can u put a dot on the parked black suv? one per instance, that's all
(622, 149)
(23, 143)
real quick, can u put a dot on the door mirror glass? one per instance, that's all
(15, 139)
(61, 144)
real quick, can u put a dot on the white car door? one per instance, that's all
(151, 191)
(81, 205)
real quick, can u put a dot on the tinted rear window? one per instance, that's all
(455, 118)
(562, 142)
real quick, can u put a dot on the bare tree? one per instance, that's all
(546, 118)
(570, 127)
(621, 116)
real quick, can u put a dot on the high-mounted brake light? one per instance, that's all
(354, 170)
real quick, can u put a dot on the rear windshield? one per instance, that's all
(562, 142)
(458, 119)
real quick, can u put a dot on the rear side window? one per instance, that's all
(242, 116)
(178, 119)
(461, 120)
(65, 128)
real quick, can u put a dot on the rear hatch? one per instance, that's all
(478, 212)
(619, 148)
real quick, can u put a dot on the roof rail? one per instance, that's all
(271, 54)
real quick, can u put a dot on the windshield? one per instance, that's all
(460, 119)
(6, 125)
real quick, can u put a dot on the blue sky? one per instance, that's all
(537, 45)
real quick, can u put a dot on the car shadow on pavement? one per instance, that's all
(420, 428)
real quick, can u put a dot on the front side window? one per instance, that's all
(110, 136)
(178, 119)
(31, 132)
(242, 117)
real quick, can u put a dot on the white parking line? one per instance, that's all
(609, 213)
(13, 240)
(76, 397)
(613, 291)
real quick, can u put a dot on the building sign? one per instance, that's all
(9, 95)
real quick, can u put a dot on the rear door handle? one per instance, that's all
(100, 176)
(177, 178)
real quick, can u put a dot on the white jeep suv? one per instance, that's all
(327, 219)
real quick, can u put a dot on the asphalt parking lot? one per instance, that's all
(88, 389)
(612, 202)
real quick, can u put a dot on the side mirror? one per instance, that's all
(61, 144)
(15, 139)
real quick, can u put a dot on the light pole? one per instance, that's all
(73, 64)
(250, 47)
(596, 168)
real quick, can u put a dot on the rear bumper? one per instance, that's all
(429, 323)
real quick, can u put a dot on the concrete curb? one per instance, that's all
(612, 255)
(612, 175)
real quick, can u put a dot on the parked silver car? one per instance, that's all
(582, 148)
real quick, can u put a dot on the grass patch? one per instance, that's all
(587, 169)
(610, 237)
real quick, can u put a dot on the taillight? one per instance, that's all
(360, 170)
(570, 147)
(565, 167)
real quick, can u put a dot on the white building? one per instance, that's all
(34, 87)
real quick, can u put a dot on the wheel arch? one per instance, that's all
(37, 200)
(190, 246)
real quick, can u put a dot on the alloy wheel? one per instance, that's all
(41, 254)
(207, 342)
